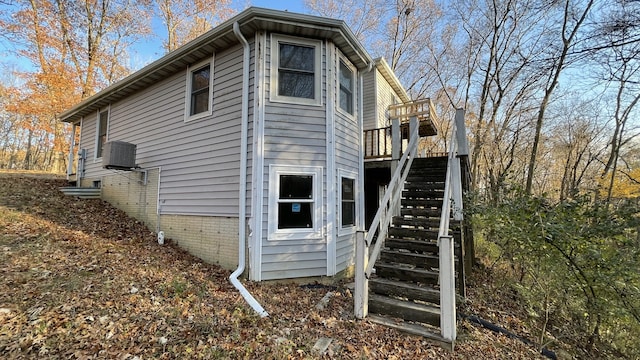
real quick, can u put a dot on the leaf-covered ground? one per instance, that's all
(81, 280)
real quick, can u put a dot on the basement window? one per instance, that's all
(294, 202)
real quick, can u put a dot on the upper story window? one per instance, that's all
(346, 88)
(199, 91)
(101, 131)
(295, 70)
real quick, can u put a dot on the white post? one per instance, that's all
(71, 151)
(461, 133)
(447, 289)
(456, 183)
(361, 290)
(396, 149)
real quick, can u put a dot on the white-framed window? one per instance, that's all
(295, 202)
(348, 212)
(102, 130)
(346, 81)
(296, 70)
(199, 94)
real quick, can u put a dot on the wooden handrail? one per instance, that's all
(384, 215)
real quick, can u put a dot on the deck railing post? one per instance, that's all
(461, 133)
(361, 290)
(396, 150)
(447, 289)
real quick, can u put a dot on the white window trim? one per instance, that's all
(343, 60)
(97, 137)
(187, 98)
(275, 64)
(274, 186)
(342, 173)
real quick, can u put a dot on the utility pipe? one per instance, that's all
(242, 212)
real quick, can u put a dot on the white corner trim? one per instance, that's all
(257, 181)
(331, 160)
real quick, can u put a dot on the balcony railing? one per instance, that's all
(377, 142)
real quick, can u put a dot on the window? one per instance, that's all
(103, 125)
(347, 202)
(346, 88)
(295, 202)
(295, 70)
(199, 91)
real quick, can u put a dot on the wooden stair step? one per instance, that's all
(422, 194)
(412, 233)
(420, 212)
(422, 203)
(423, 222)
(404, 273)
(414, 329)
(437, 180)
(425, 261)
(425, 247)
(406, 310)
(424, 186)
(402, 289)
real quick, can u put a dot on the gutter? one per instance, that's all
(242, 211)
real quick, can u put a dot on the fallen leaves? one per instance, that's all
(82, 280)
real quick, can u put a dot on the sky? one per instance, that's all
(150, 49)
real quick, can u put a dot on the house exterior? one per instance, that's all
(249, 139)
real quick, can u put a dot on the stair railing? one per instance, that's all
(378, 229)
(451, 205)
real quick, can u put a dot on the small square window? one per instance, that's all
(295, 202)
(346, 88)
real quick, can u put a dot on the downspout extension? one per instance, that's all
(242, 212)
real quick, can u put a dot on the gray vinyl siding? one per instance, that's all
(384, 97)
(199, 158)
(369, 111)
(294, 134)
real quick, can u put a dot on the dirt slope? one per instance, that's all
(81, 280)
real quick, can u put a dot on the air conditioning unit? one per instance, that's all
(119, 155)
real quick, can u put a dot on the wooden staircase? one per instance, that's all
(404, 291)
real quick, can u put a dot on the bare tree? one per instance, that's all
(185, 20)
(573, 18)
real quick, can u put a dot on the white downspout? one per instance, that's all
(242, 212)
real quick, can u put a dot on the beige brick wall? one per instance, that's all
(128, 192)
(212, 239)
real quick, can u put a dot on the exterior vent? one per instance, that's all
(119, 155)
